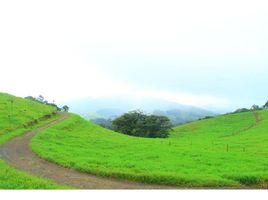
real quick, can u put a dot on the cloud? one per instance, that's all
(204, 101)
(205, 53)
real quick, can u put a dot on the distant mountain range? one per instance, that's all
(112, 107)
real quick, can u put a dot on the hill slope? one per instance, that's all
(17, 116)
(225, 151)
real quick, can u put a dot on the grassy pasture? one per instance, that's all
(226, 151)
(11, 178)
(17, 116)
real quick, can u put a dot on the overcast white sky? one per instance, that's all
(207, 53)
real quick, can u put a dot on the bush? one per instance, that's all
(239, 110)
(136, 123)
(41, 99)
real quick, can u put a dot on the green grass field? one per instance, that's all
(11, 178)
(17, 116)
(225, 151)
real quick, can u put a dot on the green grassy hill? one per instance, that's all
(18, 115)
(225, 151)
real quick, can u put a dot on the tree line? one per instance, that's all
(42, 100)
(254, 107)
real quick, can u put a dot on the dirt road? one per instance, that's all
(18, 154)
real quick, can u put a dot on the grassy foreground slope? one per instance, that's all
(11, 178)
(17, 116)
(226, 151)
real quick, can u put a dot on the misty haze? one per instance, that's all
(133, 95)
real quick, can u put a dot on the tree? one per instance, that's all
(40, 98)
(255, 107)
(265, 105)
(65, 108)
(157, 126)
(138, 124)
(239, 110)
(30, 98)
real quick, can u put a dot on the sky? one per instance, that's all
(211, 54)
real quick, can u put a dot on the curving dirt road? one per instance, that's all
(18, 154)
